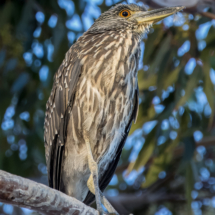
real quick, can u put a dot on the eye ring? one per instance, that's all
(125, 13)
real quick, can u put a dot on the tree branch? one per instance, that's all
(23, 192)
(194, 6)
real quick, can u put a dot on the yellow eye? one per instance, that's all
(125, 13)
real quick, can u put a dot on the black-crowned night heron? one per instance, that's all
(93, 102)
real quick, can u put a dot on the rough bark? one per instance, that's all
(23, 192)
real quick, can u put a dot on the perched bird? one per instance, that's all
(93, 102)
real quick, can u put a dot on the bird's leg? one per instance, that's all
(94, 175)
(105, 202)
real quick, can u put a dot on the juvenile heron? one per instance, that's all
(93, 102)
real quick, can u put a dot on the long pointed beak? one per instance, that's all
(154, 16)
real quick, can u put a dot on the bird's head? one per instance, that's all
(130, 17)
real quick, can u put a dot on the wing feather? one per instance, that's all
(58, 108)
(107, 176)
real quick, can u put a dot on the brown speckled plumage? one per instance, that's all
(95, 90)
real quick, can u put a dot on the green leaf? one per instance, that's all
(209, 91)
(172, 77)
(5, 13)
(145, 82)
(145, 152)
(160, 55)
(190, 86)
(189, 186)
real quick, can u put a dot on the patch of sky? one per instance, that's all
(190, 66)
(182, 92)
(198, 135)
(190, 17)
(117, 1)
(163, 211)
(137, 134)
(156, 100)
(201, 150)
(14, 147)
(43, 73)
(108, 2)
(10, 139)
(8, 209)
(201, 99)
(165, 94)
(162, 175)
(152, 88)
(136, 149)
(7, 124)
(194, 194)
(78, 35)
(148, 126)
(206, 201)
(95, 2)
(122, 186)
(40, 17)
(71, 37)
(87, 21)
(209, 162)
(170, 89)
(159, 108)
(198, 185)
(112, 192)
(213, 202)
(176, 63)
(22, 149)
(9, 113)
(202, 31)
(145, 67)
(207, 110)
(50, 51)
(28, 58)
(27, 211)
(168, 21)
(165, 124)
(74, 23)
(201, 45)
(37, 49)
(25, 116)
(142, 49)
(174, 122)
(37, 32)
(184, 48)
(92, 10)
(212, 75)
(193, 106)
(181, 110)
(211, 181)
(161, 140)
(114, 180)
(52, 21)
(67, 5)
(42, 168)
(205, 174)
(185, 27)
(196, 205)
(130, 179)
(178, 19)
(173, 135)
(40, 96)
(8, 153)
(37, 63)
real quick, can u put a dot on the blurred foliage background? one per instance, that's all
(168, 162)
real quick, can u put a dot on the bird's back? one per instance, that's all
(104, 104)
